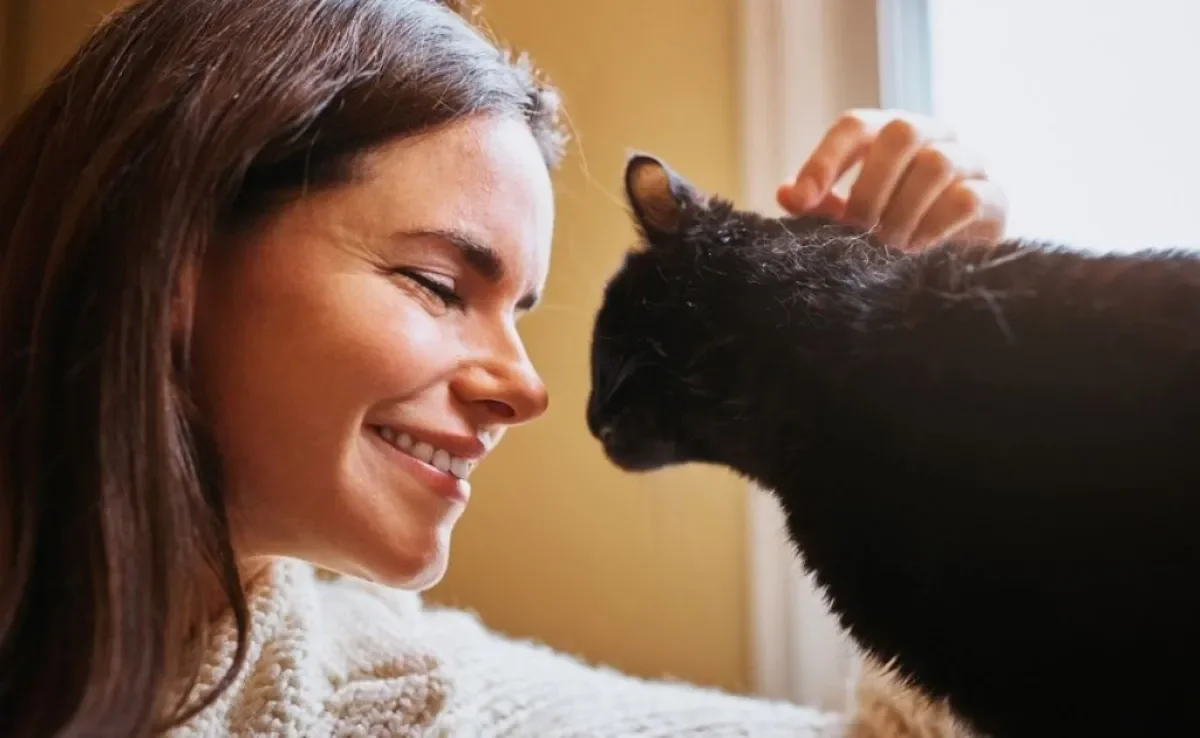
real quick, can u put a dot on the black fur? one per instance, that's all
(989, 456)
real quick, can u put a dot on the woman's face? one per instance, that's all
(358, 354)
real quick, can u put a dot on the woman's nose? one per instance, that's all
(509, 390)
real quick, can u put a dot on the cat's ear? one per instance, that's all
(658, 196)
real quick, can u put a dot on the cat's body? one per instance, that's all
(989, 456)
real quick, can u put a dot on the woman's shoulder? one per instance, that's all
(338, 656)
(499, 681)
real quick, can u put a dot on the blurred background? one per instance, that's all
(1087, 118)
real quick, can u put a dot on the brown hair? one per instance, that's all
(177, 121)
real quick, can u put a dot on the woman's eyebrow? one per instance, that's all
(482, 258)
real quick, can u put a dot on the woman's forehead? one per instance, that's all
(483, 178)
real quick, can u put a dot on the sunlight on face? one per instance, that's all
(358, 355)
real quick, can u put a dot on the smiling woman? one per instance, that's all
(224, 265)
(261, 268)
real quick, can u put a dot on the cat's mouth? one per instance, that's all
(635, 455)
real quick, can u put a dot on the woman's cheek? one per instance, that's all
(410, 347)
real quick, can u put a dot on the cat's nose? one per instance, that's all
(604, 434)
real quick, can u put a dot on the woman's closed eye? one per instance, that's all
(439, 287)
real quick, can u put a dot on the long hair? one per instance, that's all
(178, 122)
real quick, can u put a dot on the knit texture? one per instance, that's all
(342, 657)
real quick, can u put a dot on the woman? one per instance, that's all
(261, 267)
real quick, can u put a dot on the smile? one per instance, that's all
(438, 458)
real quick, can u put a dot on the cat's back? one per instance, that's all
(1002, 482)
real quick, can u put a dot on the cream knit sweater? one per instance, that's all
(345, 658)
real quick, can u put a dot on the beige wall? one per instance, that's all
(645, 573)
(55, 30)
(35, 37)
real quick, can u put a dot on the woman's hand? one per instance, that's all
(918, 186)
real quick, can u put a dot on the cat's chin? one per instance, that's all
(644, 466)
(646, 457)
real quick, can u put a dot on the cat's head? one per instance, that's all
(665, 377)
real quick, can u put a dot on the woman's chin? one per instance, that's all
(415, 569)
(403, 543)
(427, 578)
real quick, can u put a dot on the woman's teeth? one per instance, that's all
(422, 451)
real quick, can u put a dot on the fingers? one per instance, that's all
(832, 207)
(931, 170)
(851, 138)
(918, 186)
(971, 210)
(897, 145)
(843, 144)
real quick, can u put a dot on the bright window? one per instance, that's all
(1087, 112)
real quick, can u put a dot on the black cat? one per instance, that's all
(988, 455)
